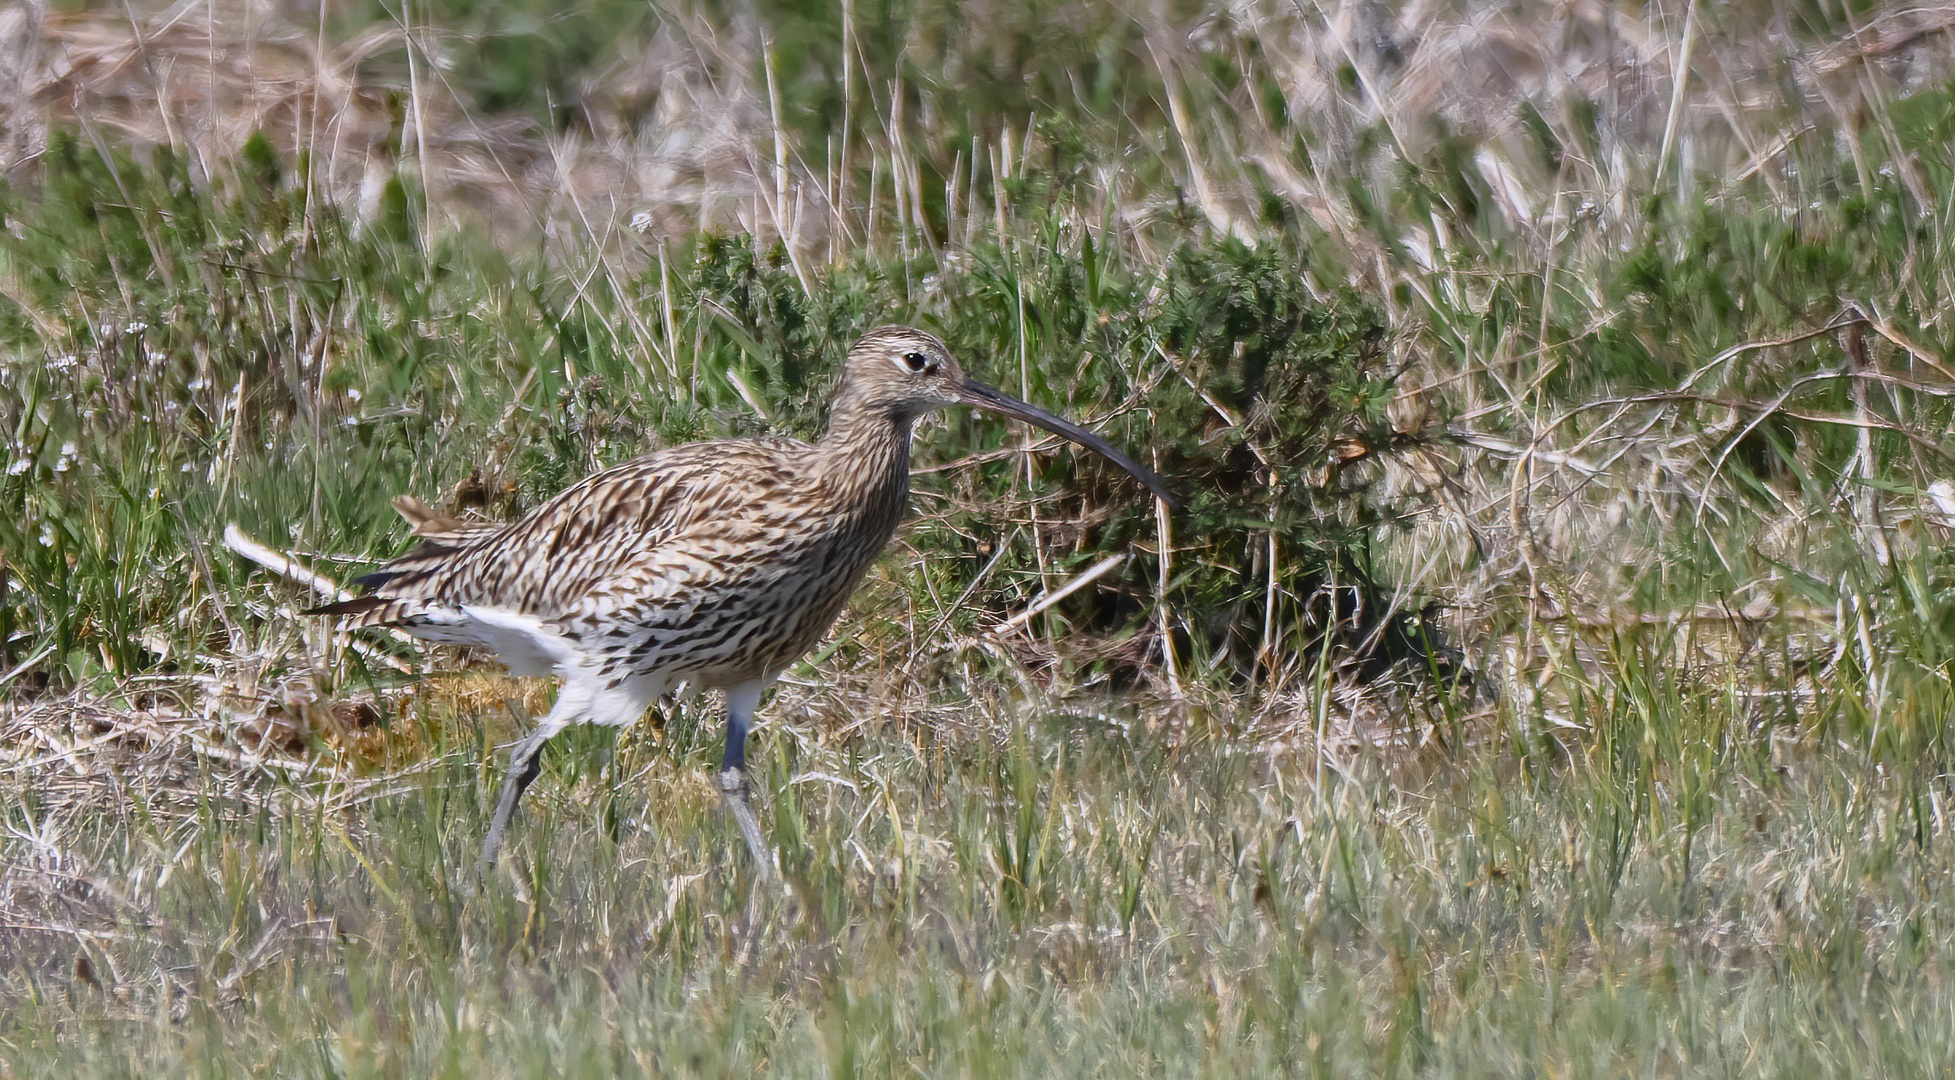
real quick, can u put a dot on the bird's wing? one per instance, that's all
(567, 554)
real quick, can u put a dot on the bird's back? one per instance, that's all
(714, 562)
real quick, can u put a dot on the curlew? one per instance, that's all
(712, 565)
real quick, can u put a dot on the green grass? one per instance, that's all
(1078, 900)
(1656, 785)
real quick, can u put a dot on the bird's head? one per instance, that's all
(902, 373)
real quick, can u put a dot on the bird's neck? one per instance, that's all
(865, 456)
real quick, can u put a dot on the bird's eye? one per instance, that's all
(916, 361)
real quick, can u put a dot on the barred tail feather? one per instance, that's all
(373, 611)
(439, 528)
(359, 605)
(403, 588)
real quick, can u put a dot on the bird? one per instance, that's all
(707, 566)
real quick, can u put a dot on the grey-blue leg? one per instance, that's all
(525, 761)
(741, 701)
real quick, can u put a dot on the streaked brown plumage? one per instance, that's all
(714, 564)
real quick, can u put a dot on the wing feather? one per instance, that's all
(560, 560)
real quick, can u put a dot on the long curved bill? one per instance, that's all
(996, 400)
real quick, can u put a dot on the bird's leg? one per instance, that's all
(525, 761)
(741, 701)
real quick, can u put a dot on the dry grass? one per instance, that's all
(677, 131)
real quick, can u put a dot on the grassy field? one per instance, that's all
(1548, 673)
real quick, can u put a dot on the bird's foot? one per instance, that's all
(733, 792)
